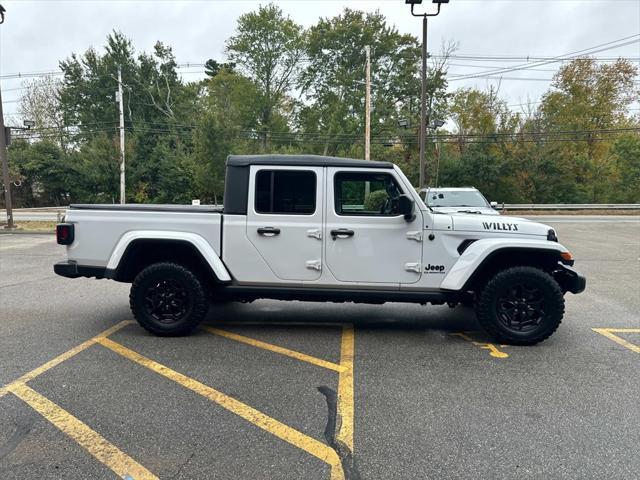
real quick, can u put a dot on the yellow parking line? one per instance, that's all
(61, 358)
(493, 350)
(257, 418)
(609, 333)
(345, 388)
(275, 348)
(110, 455)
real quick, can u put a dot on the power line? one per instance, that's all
(474, 58)
(53, 132)
(527, 58)
(595, 49)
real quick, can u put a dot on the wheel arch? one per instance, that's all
(137, 250)
(480, 261)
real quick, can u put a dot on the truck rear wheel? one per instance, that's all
(168, 300)
(520, 306)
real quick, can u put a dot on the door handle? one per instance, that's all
(314, 265)
(342, 233)
(268, 231)
(315, 233)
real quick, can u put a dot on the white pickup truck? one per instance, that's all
(317, 228)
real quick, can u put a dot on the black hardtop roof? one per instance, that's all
(303, 160)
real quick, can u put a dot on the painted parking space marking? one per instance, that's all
(105, 452)
(610, 333)
(126, 467)
(345, 393)
(346, 406)
(284, 432)
(63, 357)
(494, 351)
(275, 348)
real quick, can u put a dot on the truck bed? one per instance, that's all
(147, 207)
(101, 229)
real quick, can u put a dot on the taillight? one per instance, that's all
(64, 233)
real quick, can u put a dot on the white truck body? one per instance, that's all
(390, 252)
(326, 246)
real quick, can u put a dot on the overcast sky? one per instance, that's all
(37, 34)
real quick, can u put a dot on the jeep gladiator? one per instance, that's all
(316, 228)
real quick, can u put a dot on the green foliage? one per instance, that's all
(44, 173)
(179, 133)
(375, 201)
(267, 48)
(212, 67)
(333, 82)
(626, 157)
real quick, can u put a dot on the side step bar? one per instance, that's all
(308, 294)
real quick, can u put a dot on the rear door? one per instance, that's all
(367, 240)
(284, 219)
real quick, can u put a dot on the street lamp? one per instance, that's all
(423, 95)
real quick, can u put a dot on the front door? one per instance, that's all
(366, 239)
(284, 219)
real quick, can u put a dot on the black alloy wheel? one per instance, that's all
(168, 299)
(520, 305)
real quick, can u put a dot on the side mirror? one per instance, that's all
(406, 207)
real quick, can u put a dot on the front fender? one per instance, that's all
(481, 250)
(200, 243)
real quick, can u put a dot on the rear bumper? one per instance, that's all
(73, 270)
(570, 279)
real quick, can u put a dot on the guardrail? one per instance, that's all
(569, 206)
(501, 206)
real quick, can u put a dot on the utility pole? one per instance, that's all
(3, 157)
(5, 168)
(423, 101)
(122, 183)
(438, 162)
(367, 125)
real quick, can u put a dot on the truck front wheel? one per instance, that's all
(520, 306)
(168, 300)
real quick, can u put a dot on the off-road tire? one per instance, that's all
(552, 305)
(192, 299)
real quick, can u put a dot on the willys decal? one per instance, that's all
(507, 227)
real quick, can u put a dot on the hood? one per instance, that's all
(501, 224)
(466, 210)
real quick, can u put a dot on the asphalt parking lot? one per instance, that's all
(284, 390)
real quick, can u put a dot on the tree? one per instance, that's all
(212, 67)
(333, 84)
(229, 115)
(626, 155)
(156, 103)
(267, 48)
(40, 102)
(586, 96)
(45, 174)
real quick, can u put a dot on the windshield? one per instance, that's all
(455, 198)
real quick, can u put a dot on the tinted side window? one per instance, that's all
(286, 192)
(363, 193)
